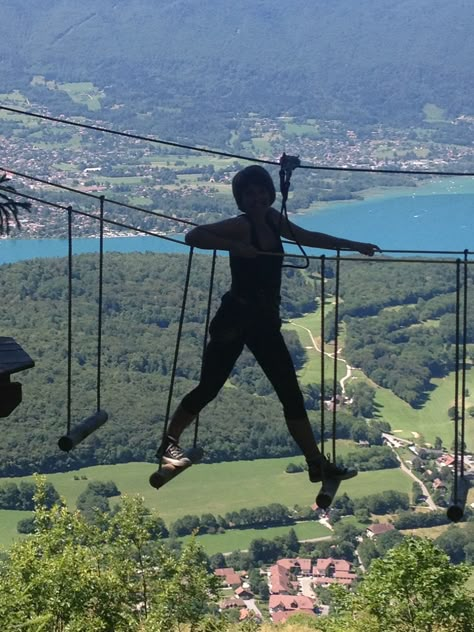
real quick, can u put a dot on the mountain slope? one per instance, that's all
(374, 59)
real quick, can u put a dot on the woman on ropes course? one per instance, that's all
(249, 315)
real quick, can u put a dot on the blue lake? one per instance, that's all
(436, 217)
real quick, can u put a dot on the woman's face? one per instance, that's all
(255, 198)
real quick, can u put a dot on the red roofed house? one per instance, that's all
(231, 602)
(297, 566)
(279, 581)
(377, 529)
(446, 459)
(244, 593)
(229, 577)
(283, 606)
(328, 566)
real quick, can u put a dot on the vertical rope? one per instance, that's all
(178, 342)
(464, 361)
(336, 340)
(206, 329)
(456, 384)
(323, 272)
(69, 318)
(100, 300)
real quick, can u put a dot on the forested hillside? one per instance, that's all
(169, 65)
(142, 302)
(409, 342)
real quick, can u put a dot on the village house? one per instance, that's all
(299, 566)
(229, 577)
(279, 582)
(231, 602)
(446, 460)
(244, 593)
(283, 606)
(377, 529)
(328, 566)
(329, 571)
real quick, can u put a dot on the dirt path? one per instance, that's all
(317, 348)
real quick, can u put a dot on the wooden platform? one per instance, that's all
(12, 358)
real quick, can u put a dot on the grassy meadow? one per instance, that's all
(214, 488)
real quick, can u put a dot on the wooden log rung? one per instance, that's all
(86, 427)
(327, 492)
(457, 505)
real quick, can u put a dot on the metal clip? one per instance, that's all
(289, 163)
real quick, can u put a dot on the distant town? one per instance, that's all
(166, 180)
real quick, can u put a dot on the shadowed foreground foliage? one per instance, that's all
(113, 575)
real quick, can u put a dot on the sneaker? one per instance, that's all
(321, 469)
(172, 454)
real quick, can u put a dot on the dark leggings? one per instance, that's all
(264, 339)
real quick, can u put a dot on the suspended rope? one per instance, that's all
(460, 485)
(75, 435)
(336, 341)
(322, 347)
(329, 485)
(176, 351)
(464, 361)
(206, 330)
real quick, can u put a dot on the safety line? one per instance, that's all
(69, 319)
(214, 152)
(336, 342)
(322, 347)
(100, 303)
(456, 384)
(205, 335)
(176, 353)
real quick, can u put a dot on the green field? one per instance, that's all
(428, 422)
(84, 92)
(432, 420)
(240, 539)
(213, 488)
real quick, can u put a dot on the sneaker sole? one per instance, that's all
(176, 463)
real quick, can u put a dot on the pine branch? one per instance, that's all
(9, 207)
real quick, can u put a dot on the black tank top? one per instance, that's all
(258, 279)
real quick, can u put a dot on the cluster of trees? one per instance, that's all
(390, 501)
(364, 459)
(413, 520)
(274, 514)
(458, 543)
(70, 574)
(414, 586)
(21, 495)
(372, 458)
